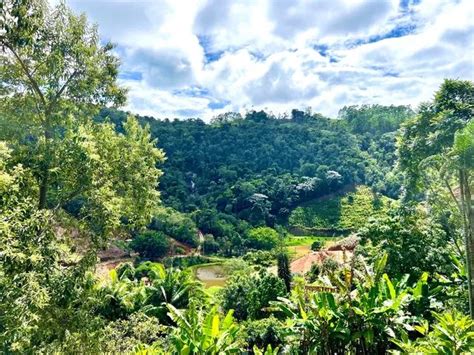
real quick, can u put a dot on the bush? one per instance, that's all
(151, 244)
(316, 245)
(263, 332)
(180, 251)
(249, 295)
(313, 273)
(176, 225)
(263, 238)
(210, 246)
(329, 266)
(260, 257)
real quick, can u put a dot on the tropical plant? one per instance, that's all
(368, 310)
(250, 294)
(436, 148)
(263, 333)
(173, 287)
(451, 334)
(203, 332)
(120, 297)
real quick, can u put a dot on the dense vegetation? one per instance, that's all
(76, 178)
(239, 172)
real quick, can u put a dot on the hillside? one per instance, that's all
(345, 212)
(122, 234)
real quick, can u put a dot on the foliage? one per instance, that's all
(249, 295)
(451, 334)
(316, 245)
(124, 335)
(348, 212)
(150, 244)
(175, 225)
(54, 63)
(264, 238)
(203, 332)
(37, 291)
(148, 288)
(260, 257)
(283, 269)
(56, 72)
(363, 316)
(413, 241)
(263, 333)
(375, 119)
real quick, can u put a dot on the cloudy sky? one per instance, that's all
(204, 57)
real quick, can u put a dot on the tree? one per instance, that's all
(151, 244)
(263, 238)
(57, 74)
(435, 142)
(249, 295)
(284, 272)
(65, 180)
(413, 242)
(58, 71)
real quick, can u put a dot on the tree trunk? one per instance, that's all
(43, 190)
(44, 179)
(468, 219)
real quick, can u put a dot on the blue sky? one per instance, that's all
(204, 57)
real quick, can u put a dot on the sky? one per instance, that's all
(200, 58)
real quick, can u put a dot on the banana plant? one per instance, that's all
(268, 351)
(203, 332)
(452, 334)
(315, 324)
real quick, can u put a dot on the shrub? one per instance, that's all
(180, 250)
(150, 244)
(260, 257)
(264, 238)
(176, 225)
(313, 273)
(210, 246)
(249, 295)
(316, 245)
(329, 266)
(263, 332)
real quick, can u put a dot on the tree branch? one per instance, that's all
(33, 82)
(58, 94)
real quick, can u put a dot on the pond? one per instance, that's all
(211, 275)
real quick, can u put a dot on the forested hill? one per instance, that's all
(258, 167)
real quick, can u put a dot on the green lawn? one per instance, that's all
(299, 246)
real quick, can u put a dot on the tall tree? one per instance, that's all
(54, 73)
(284, 272)
(439, 140)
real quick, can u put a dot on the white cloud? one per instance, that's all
(205, 57)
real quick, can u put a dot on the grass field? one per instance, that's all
(300, 246)
(342, 212)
